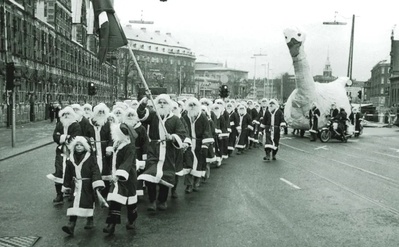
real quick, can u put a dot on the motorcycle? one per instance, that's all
(330, 131)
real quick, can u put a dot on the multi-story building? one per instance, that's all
(377, 87)
(209, 76)
(163, 61)
(394, 75)
(53, 64)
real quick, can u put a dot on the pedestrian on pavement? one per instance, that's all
(124, 178)
(161, 161)
(272, 121)
(64, 132)
(57, 109)
(314, 115)
(82, 178)
(52, 112)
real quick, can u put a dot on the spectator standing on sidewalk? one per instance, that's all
(57, 109)
(52, 112)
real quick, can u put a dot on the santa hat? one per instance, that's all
(79, 139)
(164, 97)
(205, 109)
(87, 106)
(273, 102)
(99, 107)
(77, 108)
(206, 101)
(217, 109)
(69, 110)
(113, 118)
(121, 105)
(134, 104)
(229, 107)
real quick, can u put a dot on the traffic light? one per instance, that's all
(359, 94)
(10, 69)
(92, 89)
(224, 91)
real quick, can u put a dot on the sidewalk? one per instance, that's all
(28, 136)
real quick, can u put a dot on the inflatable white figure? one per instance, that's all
(307, 90)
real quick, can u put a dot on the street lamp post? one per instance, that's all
(254, 57)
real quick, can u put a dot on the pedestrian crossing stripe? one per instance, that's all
(18, 241)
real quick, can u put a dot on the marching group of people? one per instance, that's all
(117, 154)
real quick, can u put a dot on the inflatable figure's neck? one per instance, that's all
(304, 80)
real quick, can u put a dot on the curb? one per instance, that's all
(26, 151)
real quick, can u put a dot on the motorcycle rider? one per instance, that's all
(342, 117)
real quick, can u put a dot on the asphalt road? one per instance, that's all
(315, 194)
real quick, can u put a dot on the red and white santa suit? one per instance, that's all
(161, 160)
(99, 133)
(234, 119)
(244, 128)
(64, 132)
(271, 123)
(200, 136)
(141, 144)
(225, 127)
(82, 120)
(81, 178)
(124, 176)
(88, 111)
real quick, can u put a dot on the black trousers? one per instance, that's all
(268, 150)
(152, 192)
(114, 213)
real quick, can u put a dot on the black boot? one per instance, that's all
(89, 223)
(59, 199)
(69, 228)
(131, 226)
(110, 229)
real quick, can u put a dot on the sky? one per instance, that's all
(232, 31)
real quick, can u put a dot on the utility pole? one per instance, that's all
(350, 61)
(141, 21)
(254, 57)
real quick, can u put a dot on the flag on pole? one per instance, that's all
(110, 31)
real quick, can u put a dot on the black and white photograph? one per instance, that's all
(199, 123)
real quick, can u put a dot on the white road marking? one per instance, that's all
(322, 147)
(290, 184)
(396, 150)
(286, 138)
(393, 156)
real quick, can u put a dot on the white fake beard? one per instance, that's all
(193, 112)
(100, 119)
(242, 112)
(230, 109)
(67, 121)
(163, 111)
(217, 112)
(272, 108)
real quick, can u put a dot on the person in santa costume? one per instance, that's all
(82, 120)
(64, 132)
(254, 115)
(225, 127)
(243, 129)
(314, 115)
(271, 123)
(234, 119)
(99, 133)
(166, 133)
(200, 136)
(181, 157)
(88, 111)
(82, 177)
(210, 157)
(119, 110)
(124, 178)
(132, 119)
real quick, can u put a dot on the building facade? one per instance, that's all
(327, 74)
(163, 61)
(394, 75)
(377, 87)
(210, 75)
(53, 65)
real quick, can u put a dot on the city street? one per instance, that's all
(315, 194)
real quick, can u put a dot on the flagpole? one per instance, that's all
(146, 87)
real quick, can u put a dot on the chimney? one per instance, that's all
(169, 34)
(158, 32)
(143, 29)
